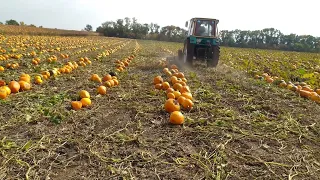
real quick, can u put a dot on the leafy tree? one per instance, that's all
(88, 27)
(22, 23)
(12, 22)
(1, 23)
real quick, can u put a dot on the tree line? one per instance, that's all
(16, 23)
(268, 38)
(130, 28)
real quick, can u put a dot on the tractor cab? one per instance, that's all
(202, 27)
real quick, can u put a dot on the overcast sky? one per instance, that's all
(300, 17)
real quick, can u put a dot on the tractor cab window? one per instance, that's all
(204, 28)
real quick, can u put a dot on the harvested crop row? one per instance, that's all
(177, 91)
(108, 81)
(301, 88)
(24, 82)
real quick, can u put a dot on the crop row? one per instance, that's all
(24, 83)
(109, 80)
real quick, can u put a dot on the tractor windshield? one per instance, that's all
(204, 28)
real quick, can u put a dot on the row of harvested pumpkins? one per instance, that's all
(301, 88)
(66, 69)
(25, 83)
(177, 91)
(108, 81)
(15, 86)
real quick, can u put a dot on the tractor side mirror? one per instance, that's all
(186, 24)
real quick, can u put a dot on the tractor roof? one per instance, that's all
(205, 18)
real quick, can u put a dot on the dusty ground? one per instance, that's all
(239, 128)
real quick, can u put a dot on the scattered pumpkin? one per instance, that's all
(3, 93)
(85, 102)
(304, 93)
(107, 77)
(76, 105)
(14, 86)
(84, 94)
(171, 105)
(187, 104)
(187, 95)
(102, 90)
(181, 99)
(165, 85)
(158, 86)
(176, 118)
(177, 86)
(24, 86)
(7, 89)
(2, 83)
(177, 94)
(170, 96)
(170, 90)
(157, 80)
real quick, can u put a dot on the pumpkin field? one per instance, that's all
(92, 107)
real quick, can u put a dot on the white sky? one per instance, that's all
(300, 17)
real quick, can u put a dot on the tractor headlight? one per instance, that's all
(199, 40)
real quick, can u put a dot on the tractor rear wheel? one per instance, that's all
(188, 53)
(180, 55)
(213, 59)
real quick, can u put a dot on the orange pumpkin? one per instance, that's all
(84, 94)
(102, 90)
(24, 86)
(24, 78)
(157, 80)
(269, 80)
(170, 96)
(2, 83)
(185, 89)
(7, 89)
(116, 82)
(85, 102)
(14, 86)
(176, 117)
(181, 99)
(187, 104)
(3, 93)
(111, 82)
(177, 94)
(170, 90)
(187, 95)
(165, 85)
(173, 66)
(177, 86)
(108, 84)
(76, 105)
(171, 105)
(107, 77)
(180, 75)
(304, 93)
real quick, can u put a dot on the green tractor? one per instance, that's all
(202, 42)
